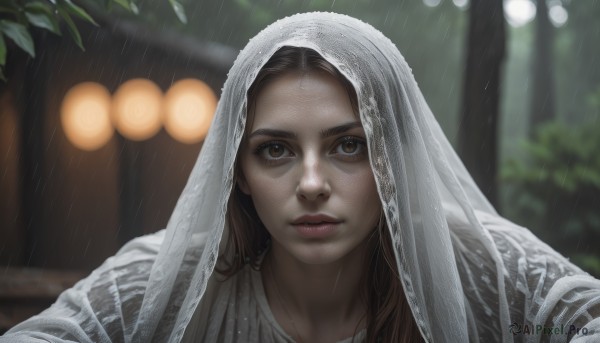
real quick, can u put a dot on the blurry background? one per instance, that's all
(515, 84)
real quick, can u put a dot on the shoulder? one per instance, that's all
(518, 247)
(521, 250)
(98, 307)
(541, 286)
(104, 306)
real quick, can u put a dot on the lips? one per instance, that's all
(317, 226)
(315, 219)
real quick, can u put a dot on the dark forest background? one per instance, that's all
(518, 94)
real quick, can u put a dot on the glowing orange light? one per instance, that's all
(137, 109)
(189, 108)
(85, 116)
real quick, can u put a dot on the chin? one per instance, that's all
(321, 254)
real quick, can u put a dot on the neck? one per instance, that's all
(315, 297)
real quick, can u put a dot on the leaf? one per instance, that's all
(43, 21)
(38, 7)
(2, 51)
(72, 28)
(40, 15)
(122, 3)
(5, 9)
(179, 11)
(126, 4)
(19, 34)
(77, 11)
(134, 7)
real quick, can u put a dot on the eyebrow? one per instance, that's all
(290, 135)
(340, 129)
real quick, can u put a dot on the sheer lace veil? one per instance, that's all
(419, 177)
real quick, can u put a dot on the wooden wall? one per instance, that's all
(59, 206)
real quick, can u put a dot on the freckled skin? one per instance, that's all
(312, 177)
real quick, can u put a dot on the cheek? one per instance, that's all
(360, 182)
(360, 193)
(267, 192)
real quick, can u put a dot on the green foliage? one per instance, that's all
(21, 17)
(2, 51)
(41, 15)
(593, 102)
(557, 194)
(126, 4)
(179, 11)
(18, 33)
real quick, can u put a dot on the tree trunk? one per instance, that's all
(477, 135)
(542, 100)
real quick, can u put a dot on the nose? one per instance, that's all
(313, 184)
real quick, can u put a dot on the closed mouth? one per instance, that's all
(315, 219)
(315, 223)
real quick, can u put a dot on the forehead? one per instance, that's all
(302, 96)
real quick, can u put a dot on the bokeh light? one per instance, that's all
(137, 109)
(85, 116)
(461, 3)
(432, 3)
(189, 108)
(519, 12)
(558, 15)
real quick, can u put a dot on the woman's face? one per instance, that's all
(305, 165)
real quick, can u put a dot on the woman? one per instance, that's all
(306, 194)
(344, 215)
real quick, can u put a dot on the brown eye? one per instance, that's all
(274, 153)
(276, 150)
(349, 147)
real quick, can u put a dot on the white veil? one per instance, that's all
(410, 156)
(467, 273)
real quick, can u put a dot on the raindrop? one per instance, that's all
(86, 248)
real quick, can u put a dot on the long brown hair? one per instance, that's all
(388, 317)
